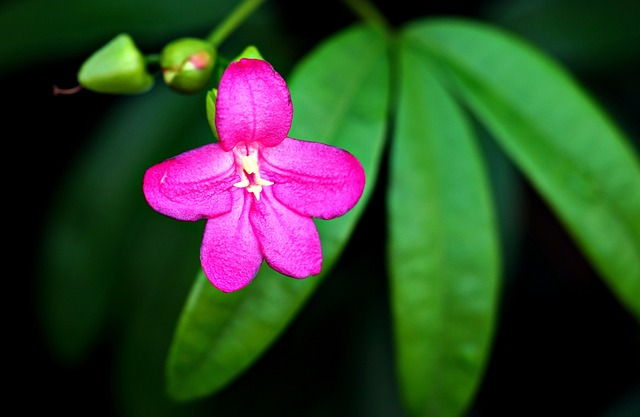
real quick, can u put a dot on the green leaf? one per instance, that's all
(562, 141)
(90, 249)
(443, 245)
(220, 335)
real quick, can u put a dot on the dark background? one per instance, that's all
(564, 346)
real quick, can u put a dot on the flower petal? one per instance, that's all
(192, 185)
(312, 178)
(253, 105)
(289, 241)
(230, 254)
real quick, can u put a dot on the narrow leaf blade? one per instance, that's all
(443, 247)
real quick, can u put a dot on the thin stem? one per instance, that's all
(239, 15)
(369, 13)
(66, 91)
(152, 59)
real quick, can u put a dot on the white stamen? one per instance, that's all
(248, 166)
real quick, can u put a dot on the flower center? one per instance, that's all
(246, 160)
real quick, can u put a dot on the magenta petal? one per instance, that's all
(312, 178)
(230, 254)
(253, 104)
(289, 241)
(192, 185)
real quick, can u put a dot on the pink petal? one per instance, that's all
(230, 254)
(312, 178)
(192, 185)
(253, 104)
(289, 241)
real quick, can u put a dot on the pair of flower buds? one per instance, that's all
(120, 68)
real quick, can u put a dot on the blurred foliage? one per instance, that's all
(588, 35)
(62, 29)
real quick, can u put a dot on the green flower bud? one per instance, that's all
(116, 68)
(212, 95)
(187, 64)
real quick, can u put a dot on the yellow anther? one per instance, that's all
(250, 163)
(249, 171)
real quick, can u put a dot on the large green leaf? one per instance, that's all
(443, 247)
(556, 134)
(219, 335)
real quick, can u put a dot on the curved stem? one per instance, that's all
(369, 14)
(239, 15)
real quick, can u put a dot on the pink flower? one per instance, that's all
(257, 188)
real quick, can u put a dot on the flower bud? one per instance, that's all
(212, 95)
(117, 68)
(187, 64)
